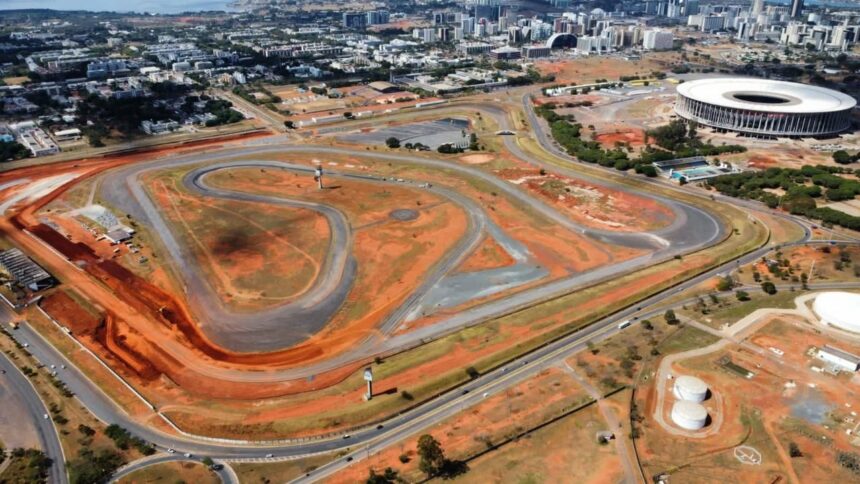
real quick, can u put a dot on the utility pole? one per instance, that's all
(368, 377)
(318, 175)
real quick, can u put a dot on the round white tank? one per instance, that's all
(690, 388)
(689, 415)
(840, 309)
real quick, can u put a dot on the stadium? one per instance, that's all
(765, 108)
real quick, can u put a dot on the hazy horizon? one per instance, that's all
(148, 6)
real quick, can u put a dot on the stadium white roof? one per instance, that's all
(840, 309)
(766, 95)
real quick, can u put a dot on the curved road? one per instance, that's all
(225, 472)
(48, 438)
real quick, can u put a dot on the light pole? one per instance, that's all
(368, 377)
(318, 176)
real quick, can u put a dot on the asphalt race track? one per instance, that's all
(691, 230)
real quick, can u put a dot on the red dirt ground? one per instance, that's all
(559, 101)
(761, 161)
(633, 136)
(70, 314)
(591, 205)
(533, 402)
(488, 255)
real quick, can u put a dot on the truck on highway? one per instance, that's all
(624, 324)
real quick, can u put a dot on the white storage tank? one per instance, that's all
(840, 309)
(691, 389)
(689, 415)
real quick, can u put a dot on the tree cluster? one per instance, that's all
(12, 150)
(677, 140)
(223, 112)
(91, 467)
(123, 439)
(680, 140)
(850, 461)
(802, 187)
(844, 158)
(27, 465)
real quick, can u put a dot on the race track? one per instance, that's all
(294, 322)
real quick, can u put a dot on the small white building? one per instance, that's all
(38, 142)
(839, 358)
(67, 135)
(158, 127)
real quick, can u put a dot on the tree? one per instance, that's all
(208, 462)
(431, 454)
(768, 287)
(388, 476)
(670, 317)
(742, 295)
(392, 142)
(794, 450)
(472, 372)
(449, 148)
(842, 157)
(725, 283)
(289, 125)
(649, 171)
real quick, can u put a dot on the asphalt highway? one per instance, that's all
(48, 438)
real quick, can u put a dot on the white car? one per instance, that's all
(187, 455)
(45, 416)
(171, 451)
(269, 456)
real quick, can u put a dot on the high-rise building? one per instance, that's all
(796, 8)
(712, 23)
(443, 34)
(377, 17)
(354, 20)
(468, 25)
(657, 40)
(757, 7)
